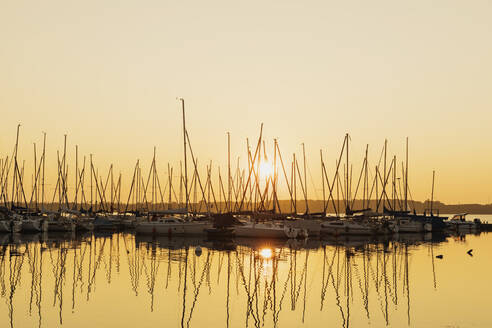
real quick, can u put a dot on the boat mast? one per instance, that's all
(347, 186)
(77, 178)
(292, 184)
(185, 166)
(119, 192)
(377, 177)
(112, 189)
(366, 182)
(44, 153)
(21, 184)
(323, 179)
(406, 177)
(229, 172)
(275, 178)
(432, 194)
(393, 187)
(221, 187)
(238, 184)
(256, 177)
(64, 173)
(180, 201)
(384, 173)
(337, 178)
(294, 164)
(248, 188)
(35, 182)
(14, 184)
(91, 186)
(305, 178)
(170, 174)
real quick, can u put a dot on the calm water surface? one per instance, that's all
(123, 280)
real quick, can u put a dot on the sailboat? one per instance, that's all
(267, 230)
(34, 223)
(173, 226)
(348, 227)
(162, 225)
(406, 224)
(62, 222)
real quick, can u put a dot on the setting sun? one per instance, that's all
(266, 170)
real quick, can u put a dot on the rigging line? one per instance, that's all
(312, 182)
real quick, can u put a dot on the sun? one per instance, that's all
(266, 170)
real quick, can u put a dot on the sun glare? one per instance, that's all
(266, 170)
(266, 253)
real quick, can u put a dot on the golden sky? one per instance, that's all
(107, 73)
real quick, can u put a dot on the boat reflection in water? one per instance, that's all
(124, 280)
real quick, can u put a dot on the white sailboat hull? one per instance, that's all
(159, 228)
(313, 227)
(262, 231)
(347, 228)
(414, 226)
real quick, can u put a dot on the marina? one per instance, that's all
(257, 164)
(251, 207)
(232, 253)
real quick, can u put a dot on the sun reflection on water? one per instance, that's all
(266, 253)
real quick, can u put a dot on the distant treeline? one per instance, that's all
(315, 206)
(418, 206)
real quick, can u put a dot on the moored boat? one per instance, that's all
(10, 226)
(459, 223)
(34, 224)
(61, 225)
(312, 226)
(84, 224)
(265, 230)
(9, 222)
(220, 233)
(348, 227)
(103, 223)
(172, 226)
(406, 224)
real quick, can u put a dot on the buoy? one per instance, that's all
(470, 252)
(439, 256)
(198, 251)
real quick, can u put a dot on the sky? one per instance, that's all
(108, 74)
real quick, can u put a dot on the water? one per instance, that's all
(123, 280)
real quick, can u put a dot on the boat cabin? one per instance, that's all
(459, 217)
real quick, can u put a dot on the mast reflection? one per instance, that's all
(257, 283)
